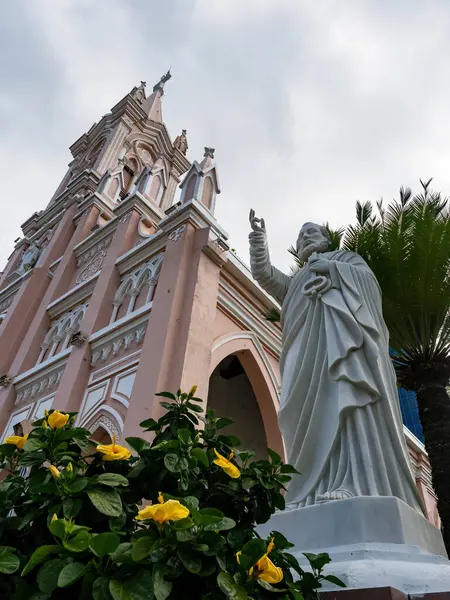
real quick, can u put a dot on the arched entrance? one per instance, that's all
(253, 397)
(231, 395)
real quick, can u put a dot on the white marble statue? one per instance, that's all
(339, 410)
(29, 258)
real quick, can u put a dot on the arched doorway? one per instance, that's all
(231, 395)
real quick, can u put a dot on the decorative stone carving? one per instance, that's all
(93, 259)
(78, 339)
(106, 423)
(28, 391)
(87, 256)
(5, 381)
(121, 343)
(177, 233)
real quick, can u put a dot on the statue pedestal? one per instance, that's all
(374, 541)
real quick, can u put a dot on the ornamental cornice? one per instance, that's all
(94, 199)
(142, 252)
(118, 338)
(75, 296)
(136, 201)
(195, 213)
(12, 287)
(40, 383)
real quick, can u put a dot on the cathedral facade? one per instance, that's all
(121, 288)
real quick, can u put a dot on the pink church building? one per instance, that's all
(121, 288)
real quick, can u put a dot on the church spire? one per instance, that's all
(152, 104)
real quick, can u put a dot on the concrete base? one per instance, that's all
(373, 542)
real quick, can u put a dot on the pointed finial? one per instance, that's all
(162, 81)
(180, 142)
(209, 152)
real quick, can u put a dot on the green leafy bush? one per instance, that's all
(70, 524)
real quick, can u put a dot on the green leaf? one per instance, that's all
(335, 580)
(191, 502)
(137, 443)
(70, 573)
(47, 577)
(34, 444)
(274, 457)
(289, 469)
(71, 507)
(201, 456)
(108, 501)
(9, 563)
(142, 547)
(100, 589)
(123, 554)
(58, 528)
(185, 523)
(230, 588)
(166, 395)
(281, 543)
(172, 463)
(222, 525)
(78, 485)
(79, 542)
(116, 524)
(39, 555)
(141, 585)
(161, 587)
(119, 591)
(105, 543)
(252, 552)
(318, 561)
(207, 516)
(191, 562)
(194, 407)
(7, 449)
(112, 479)
(184, 435)
(150, 424)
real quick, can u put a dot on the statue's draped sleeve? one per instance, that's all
(273, 281)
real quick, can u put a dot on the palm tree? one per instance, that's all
(407, 245)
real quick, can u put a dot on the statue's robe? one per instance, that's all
(339, 411)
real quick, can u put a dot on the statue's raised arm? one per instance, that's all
(273, 281)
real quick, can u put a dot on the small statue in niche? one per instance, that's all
(29, 258)
(180, 142)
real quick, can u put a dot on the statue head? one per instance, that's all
(312, 238)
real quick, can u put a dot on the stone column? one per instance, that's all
(76, 374)
(34, 330)
(177, 345)
(30, 294)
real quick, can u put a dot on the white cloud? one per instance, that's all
(310, 105)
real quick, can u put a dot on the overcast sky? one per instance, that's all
(310, 105)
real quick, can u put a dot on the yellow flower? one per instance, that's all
(57, 419)
(226, 465)
(69, 468)
(55, 517)
(44, 424)
(171, 510)
(192, 390)
(54, 471)
(18, 440)
(114, 451)
(264, 568)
